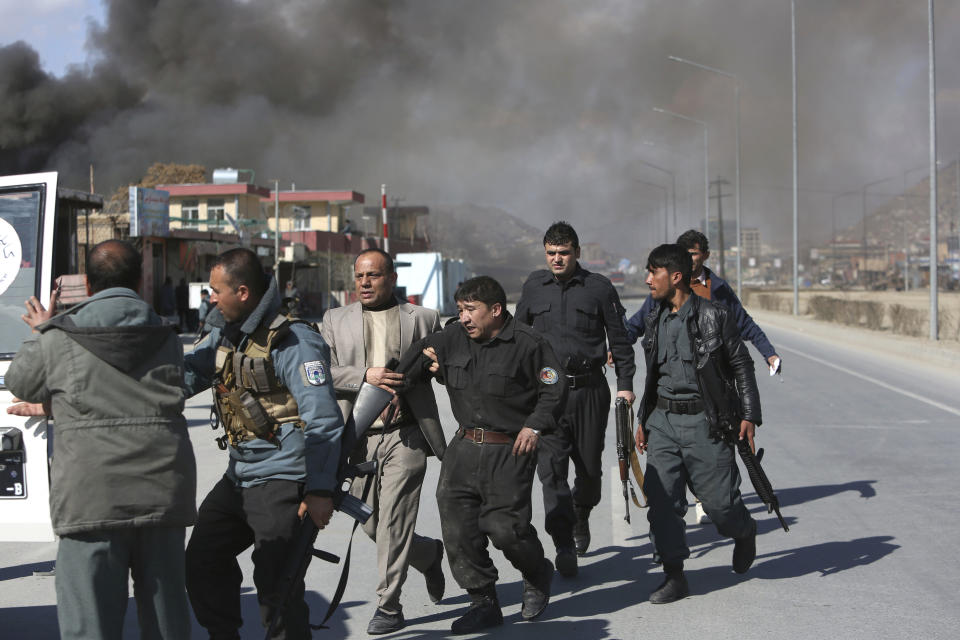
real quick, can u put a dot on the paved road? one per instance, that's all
(861, 447)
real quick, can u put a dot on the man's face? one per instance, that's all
(233, 304)
(699, 257)
(373, 282)
(561, 259)
(481, 322)
(662, 283)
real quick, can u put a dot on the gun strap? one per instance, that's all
(638, 475)
(345, 572)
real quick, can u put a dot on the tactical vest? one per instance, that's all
(249, 400)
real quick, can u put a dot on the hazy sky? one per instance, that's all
(541, 107)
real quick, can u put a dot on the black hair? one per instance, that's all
(386, 256)
(560, 233)
(692, 239)
(481, 289)
(674, 258)
(114, 263)
(242, 267)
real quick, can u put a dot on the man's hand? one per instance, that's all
(775, 361)
(641, 439)
(431, 353)
(526, 441)
(36, 314)
(629, 395)
(609, 358)
(383, 377)
(320, 509)
(28, 409)
(747, 430)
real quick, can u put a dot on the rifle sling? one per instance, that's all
(638, 475)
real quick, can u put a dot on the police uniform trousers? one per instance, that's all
(230, 520)
(394, 495)
(579, 437)
(484, 494)
(680, 451)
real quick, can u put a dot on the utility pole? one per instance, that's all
(720, 182)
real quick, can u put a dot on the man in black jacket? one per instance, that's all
(692, 349)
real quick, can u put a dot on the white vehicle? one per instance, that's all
(38, 243)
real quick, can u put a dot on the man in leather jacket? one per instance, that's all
(699, 382)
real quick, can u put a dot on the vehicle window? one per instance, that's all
(19, 235)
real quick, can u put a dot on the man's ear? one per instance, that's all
(706, 256)
(576, 253)
(496, 309)
(243, 293)
(675, 278)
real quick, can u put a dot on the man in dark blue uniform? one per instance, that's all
(580, 314)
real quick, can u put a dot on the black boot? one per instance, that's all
(484, 612)
(745, 551)
(383, 622)
(674, 587)
(536, 591)
(566, 561)
(581, 529)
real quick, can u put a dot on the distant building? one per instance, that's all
(750, 241)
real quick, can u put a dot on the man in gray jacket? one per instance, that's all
(123, 481)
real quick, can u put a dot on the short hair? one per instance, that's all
(242, 267)
(560, 233)
(113, 263)
(673, 257)
(204, 292)
(692, 239)
(481, 289)
(386, 257)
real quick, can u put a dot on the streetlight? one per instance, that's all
(706, 167)
(686, 178)
(659, 186)
(673, 180)
(736, 93)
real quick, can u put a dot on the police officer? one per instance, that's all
(691, 346)
(272, 391)
(506, 391)
(579, 313)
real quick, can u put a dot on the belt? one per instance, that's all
(580, 380)
(485, 436)
(680, 406)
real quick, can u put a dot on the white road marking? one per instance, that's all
(889, 387)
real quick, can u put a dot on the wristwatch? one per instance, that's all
(536, 432)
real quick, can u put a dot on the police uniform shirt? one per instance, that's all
(579, 317)
(504, 384)
(677, 376)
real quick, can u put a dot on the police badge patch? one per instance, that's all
(548, 375)
(315, 372)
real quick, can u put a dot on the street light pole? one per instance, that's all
(659, 186)
(796, 178)
(932, 99)
(736, 93)
(706, 166)
(673, 180)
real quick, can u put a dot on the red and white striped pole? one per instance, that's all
(383, 210)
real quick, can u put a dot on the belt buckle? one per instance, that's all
(475, 430)
(571, 381)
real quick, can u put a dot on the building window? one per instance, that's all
(301, 218)
(191, 214)
(215, 213)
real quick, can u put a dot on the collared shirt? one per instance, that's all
(677, 376)
(506, 383)
(579, 317)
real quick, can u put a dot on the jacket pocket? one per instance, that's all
(588, 320)
(500, 379)
(456, 371)
(540, 315)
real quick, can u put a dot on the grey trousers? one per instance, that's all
(92, 573)
(681, 451)
(394, 495)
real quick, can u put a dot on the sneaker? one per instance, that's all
(383, 622)
(674, 588)
(482, 614)
(566, 562)
(581, 530)
(536, 592)
(745, 551)
(702, 517)
(436, 582)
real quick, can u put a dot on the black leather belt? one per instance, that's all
(580, 380)
(680, 406)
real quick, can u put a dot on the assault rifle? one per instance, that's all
(761, 484)
(370, 403)
(626, 454)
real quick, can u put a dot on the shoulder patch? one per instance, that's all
(315, 373)
(549, 375)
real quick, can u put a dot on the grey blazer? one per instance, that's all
(342, 329)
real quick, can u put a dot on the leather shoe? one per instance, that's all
(581, 530)
(383, 622)
(436, 582)
(674, 588)
(536, 592)
(566, 562)
(745, 551)
(482, 614)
